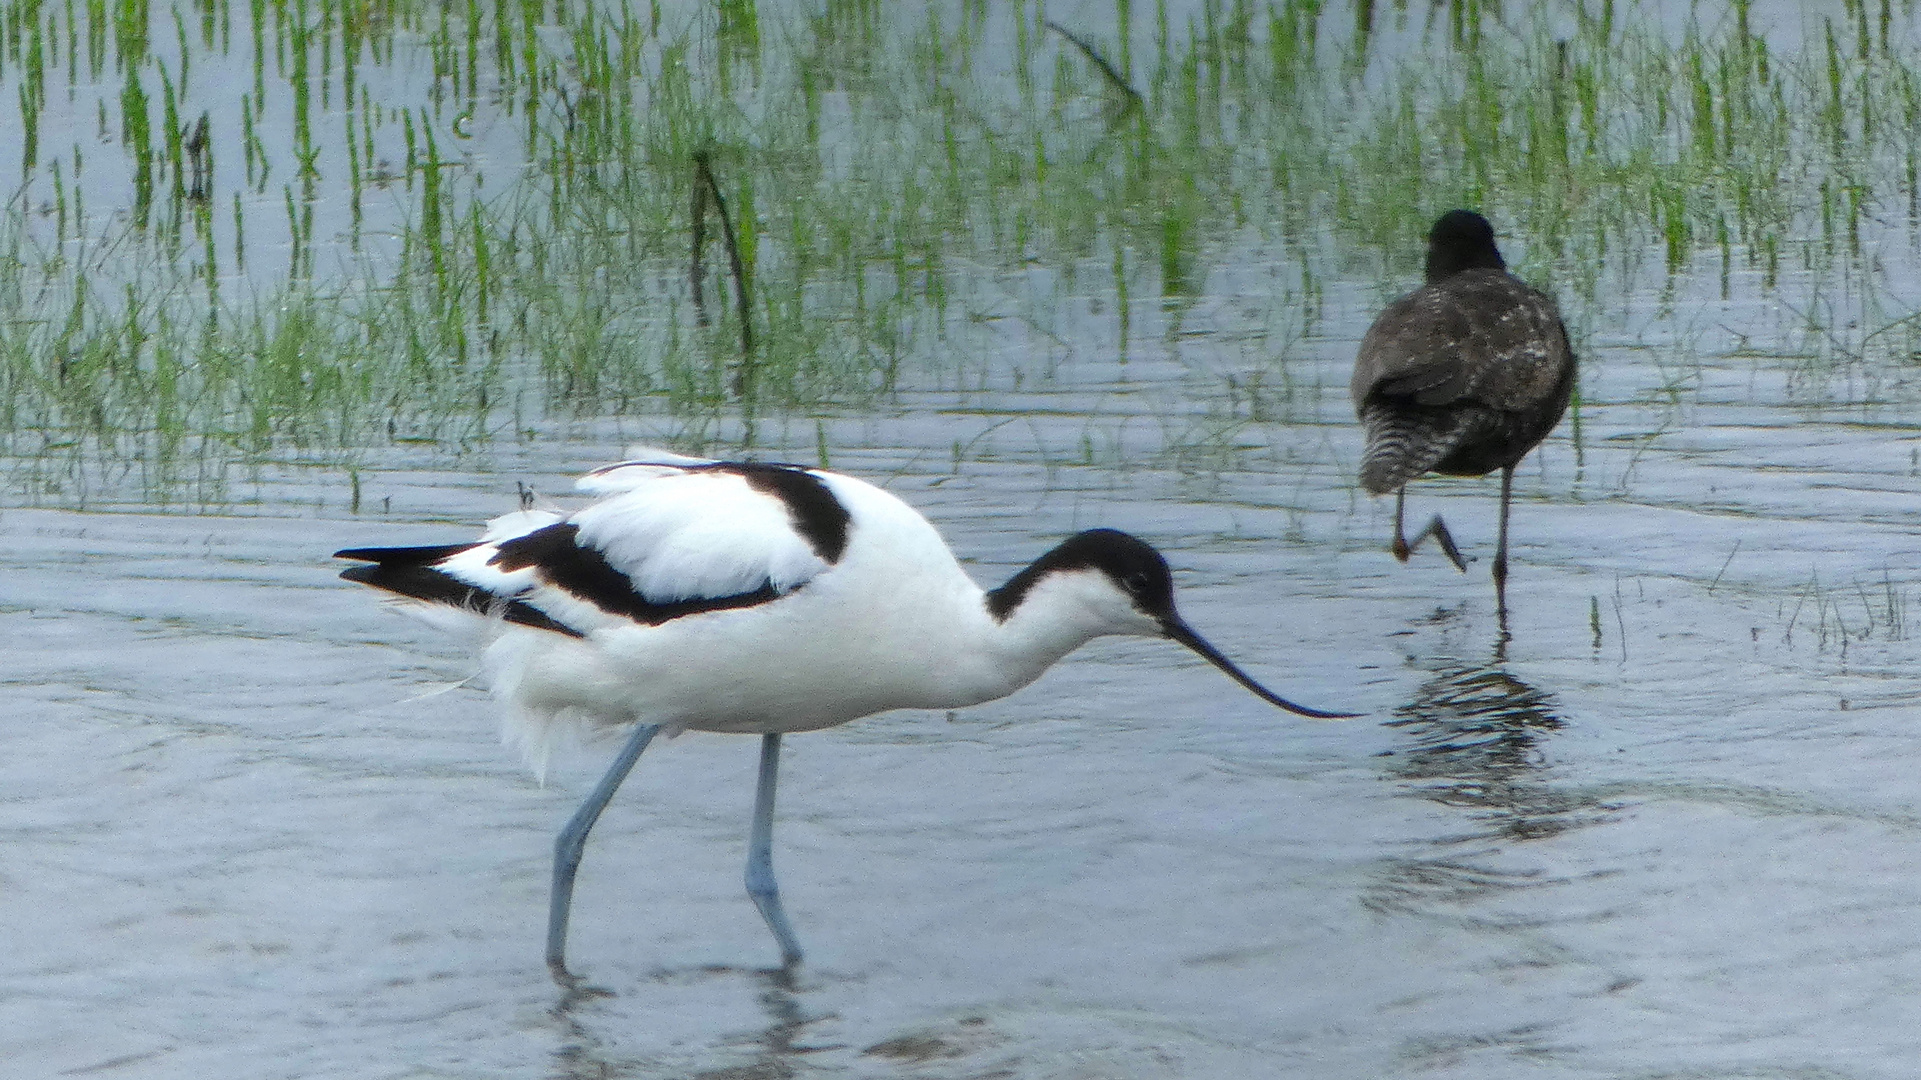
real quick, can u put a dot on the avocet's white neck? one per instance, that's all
(1058, 614)
(899, 623)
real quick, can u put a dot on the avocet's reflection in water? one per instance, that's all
(773, 1052)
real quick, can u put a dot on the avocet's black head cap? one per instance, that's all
(1142, 574)
(1461, 240)
(1133, 565)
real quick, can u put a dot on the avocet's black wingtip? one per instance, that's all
(402, 556)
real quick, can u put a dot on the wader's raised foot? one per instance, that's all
(1438, 530)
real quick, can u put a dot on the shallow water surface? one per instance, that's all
(1667, 828)
(1662, 825)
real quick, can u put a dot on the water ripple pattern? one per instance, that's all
(1663, 826)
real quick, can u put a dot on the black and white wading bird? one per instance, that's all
(1462, 376)
(758, 599)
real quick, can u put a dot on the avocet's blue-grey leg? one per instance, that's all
(760, 854)
(573, 839)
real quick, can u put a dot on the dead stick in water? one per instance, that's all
(198, 161)
(1114, 78)
(698, 270)
(704, 176)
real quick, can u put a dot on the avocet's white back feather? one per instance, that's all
(518, 523)
(657, 455)
(643, 464)
(681, 535)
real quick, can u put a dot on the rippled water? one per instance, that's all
(1665, 826)
(1668, 829)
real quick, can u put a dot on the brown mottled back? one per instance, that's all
(1462, 376)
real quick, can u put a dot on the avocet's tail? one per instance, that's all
(450, 578)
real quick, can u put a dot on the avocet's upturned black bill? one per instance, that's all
(763, 599)
(1462, 376)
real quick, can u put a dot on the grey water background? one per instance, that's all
(1667, 828)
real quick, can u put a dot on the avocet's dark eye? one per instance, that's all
(1135, 582)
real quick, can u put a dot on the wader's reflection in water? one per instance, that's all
(1474, 742)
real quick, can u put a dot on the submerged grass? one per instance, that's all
(157, 381)
(897, 185)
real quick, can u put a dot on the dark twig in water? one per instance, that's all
(698, 270)
(707, 189)
(1114, 78)
(199, 161)
(1724, 568)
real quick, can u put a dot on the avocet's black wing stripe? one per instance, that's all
(560, 560)
(818, 516)
(410, 572)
